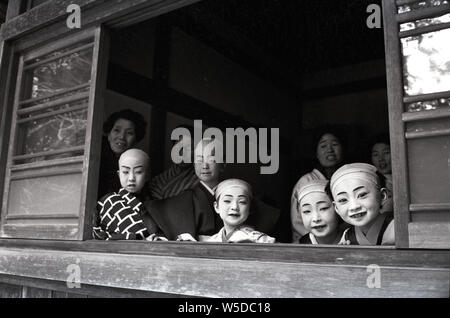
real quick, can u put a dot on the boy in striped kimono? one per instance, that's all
(122, 215)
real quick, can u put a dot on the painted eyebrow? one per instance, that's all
(358, 188)
(239, 196)
(126, 167)
(318, 202)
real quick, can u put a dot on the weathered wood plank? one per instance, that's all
(226, 278)
(8, 75)
(10, 291)
(429, 235)
(94, 12)
(14, 8)
(37, 231)
(424, 13)
(293, 253)
(60, 290)
(394, 77)
(94, 132)
(32, 292)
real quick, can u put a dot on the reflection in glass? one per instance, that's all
(66, 107)
(426, 61)
(37, 102)
(428, 105)
(425, 22)
(421, 5)
(57, 132)
(58, 75)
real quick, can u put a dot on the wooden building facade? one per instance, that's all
(48, 185)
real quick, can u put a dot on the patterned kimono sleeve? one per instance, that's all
(259, 237)
(118, 220)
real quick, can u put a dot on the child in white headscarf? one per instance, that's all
(233, 197)
(318, 215)
(358, 195)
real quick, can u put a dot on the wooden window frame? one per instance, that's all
(393, 73)
(87, 165)
(314, 260)
(132, 13)
(398, 118)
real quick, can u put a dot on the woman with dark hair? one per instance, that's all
(330, 156)
(122, 130)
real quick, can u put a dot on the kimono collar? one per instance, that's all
(212, 191)
(313, 239)
(315, 242)
(226, 236)
(371, 237)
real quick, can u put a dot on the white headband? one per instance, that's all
(361, 171)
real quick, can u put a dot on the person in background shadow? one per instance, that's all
(329, 155)
(380, 153)
(179, 176)
(122, 130)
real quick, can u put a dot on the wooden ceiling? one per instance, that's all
(305, 35)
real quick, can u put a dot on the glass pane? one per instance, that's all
(428, 105)
(427, 63)
(64, 106)
(429, 169)
(58, 75)
(74, 92)
(425, 22)
(57, 132)
(420, 5)
(433, 125)
(45, 195)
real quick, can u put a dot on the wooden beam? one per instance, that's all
(424, 13)
(207, 277)
(94, 132)
(95, 12)
(291, 253)
(15, 8)
(8, 77)
(394, 76)
(60, 290)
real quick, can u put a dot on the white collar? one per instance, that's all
(212, 191)
(313, 239)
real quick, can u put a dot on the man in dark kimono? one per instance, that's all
(192, 211)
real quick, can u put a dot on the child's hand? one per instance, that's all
(186, 237)
(344, 242)
(153, 237)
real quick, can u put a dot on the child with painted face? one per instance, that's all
(318, 214)
(122, 216)
(358, 195)
(233, 197)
